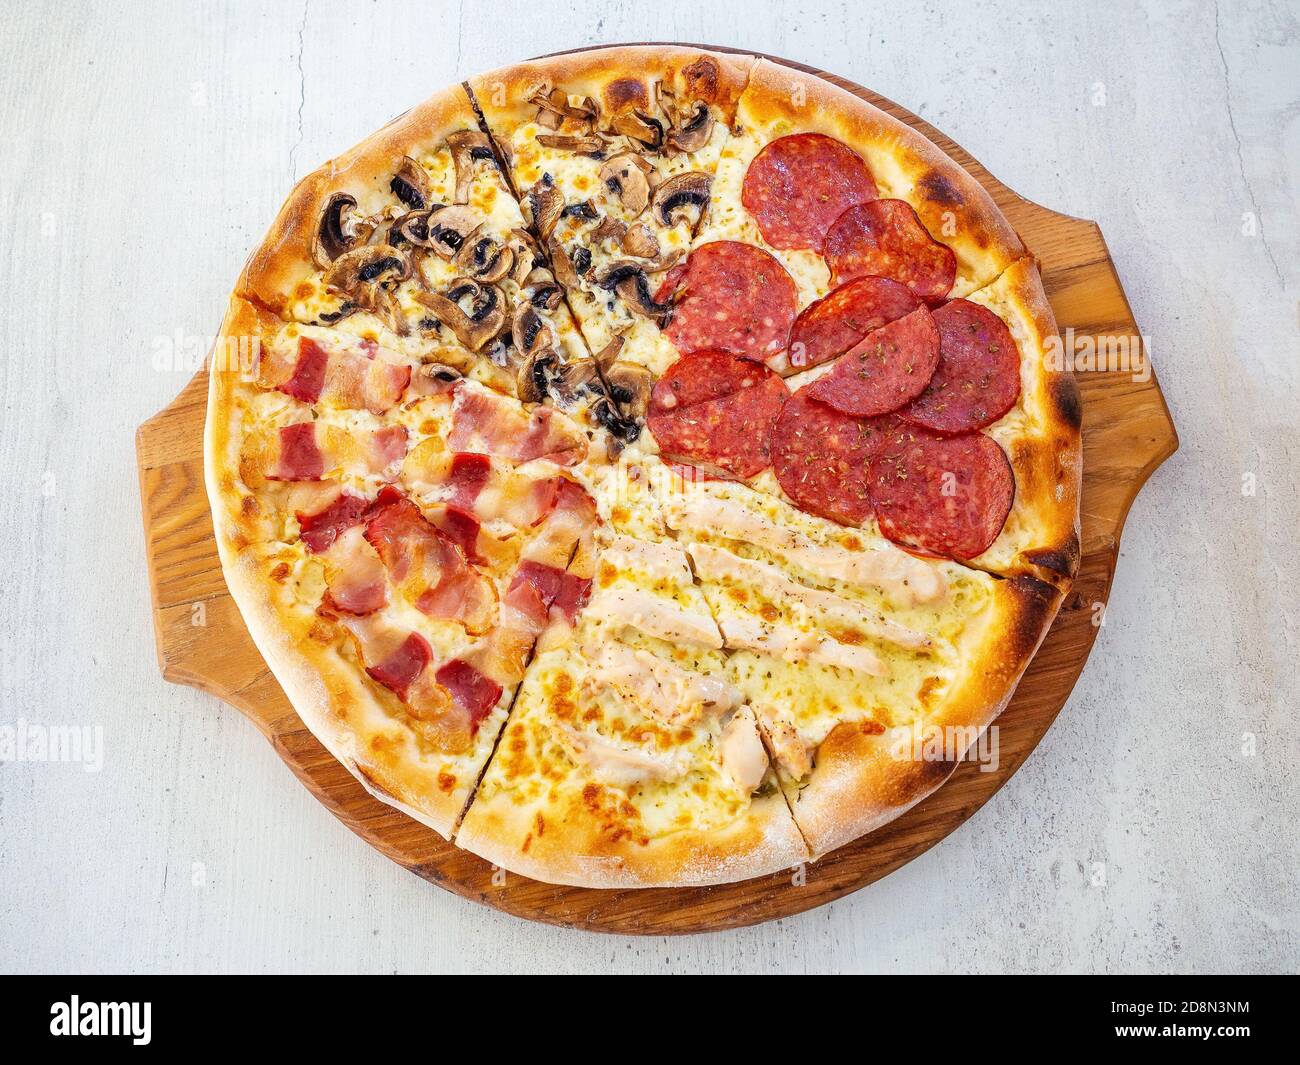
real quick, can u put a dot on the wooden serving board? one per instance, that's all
(202, 641)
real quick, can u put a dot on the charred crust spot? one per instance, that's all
(624, 93)
(1037, 602)
(702, 79)
(1063, 560)
(939, 190)
(1065, 397)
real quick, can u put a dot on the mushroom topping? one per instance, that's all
(336, 231)
(546, 203)
(564, 269)
(692, 131)
(529, 333)
(607, 355)
(582, 210)
(554, 107)
(390, 310)
(449, 229)
(483, 258)
(367, 267)
(609, 228)
(629, 387)
(411, 184)
(681, 193)
(570, 380)
(535, 374)
(540, 289)
(606, 413)
(629, 280)
(640, 128)
(625, 176)
(482, 322)
(586, 143)
(467, 147)
(640, 242)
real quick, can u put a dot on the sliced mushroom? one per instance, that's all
(622, 428)
(629, 387)
(529, 332)
(625, 176)
(483, 258)
(566, 142)
(474, 328)
(523, 251)
(355, 271)
(449, 228)
(335, 232)
(640, 242)
(564, 270)
(467, 147)
(681, 193)
(606, 356)
(640, 128)
(546, 203)
(629, 280)
(609, 229)
(390, 310)
(540, 289)
(693, 130)
(411, 184)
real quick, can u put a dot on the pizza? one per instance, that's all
(621, 458)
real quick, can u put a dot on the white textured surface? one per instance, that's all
(146, 147)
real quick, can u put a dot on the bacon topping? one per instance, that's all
(474, 693)
(495, 425)
(428, 567)
(300, 458)
(399, 668)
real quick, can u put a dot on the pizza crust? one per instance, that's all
(763, 841)
(619, 79)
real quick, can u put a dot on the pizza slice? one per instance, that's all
(612, 154)
(396, 542)
(628, 760)
(871, 671)
(414, 240)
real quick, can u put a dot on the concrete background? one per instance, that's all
(146, 148)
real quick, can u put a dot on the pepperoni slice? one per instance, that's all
(886, 238)
(942, 495)
(798, 185)
(891, 366)
(820, 458)
(716, 410)
(839, 320)
(733, 297)
(978, 379)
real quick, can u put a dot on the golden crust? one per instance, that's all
(619, 79)
(953, 206)
(860, 783)
(519, 837)
(1042, 436)
(284, 258)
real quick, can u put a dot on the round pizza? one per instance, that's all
(622, 458)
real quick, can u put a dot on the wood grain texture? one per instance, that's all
(202, 641)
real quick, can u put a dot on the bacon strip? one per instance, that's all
(355, 580)
(306, 450)
(474, 693)
(427, 566)
(491, 424)
(356, 380)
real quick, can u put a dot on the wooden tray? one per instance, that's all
(202, 640)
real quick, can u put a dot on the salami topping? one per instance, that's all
(838, 321)
(891, 366)
(943, 495)
(733, 297)
(716, 410)
(820, 458)
(798, 185)
(887, 239)
(978, 379)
